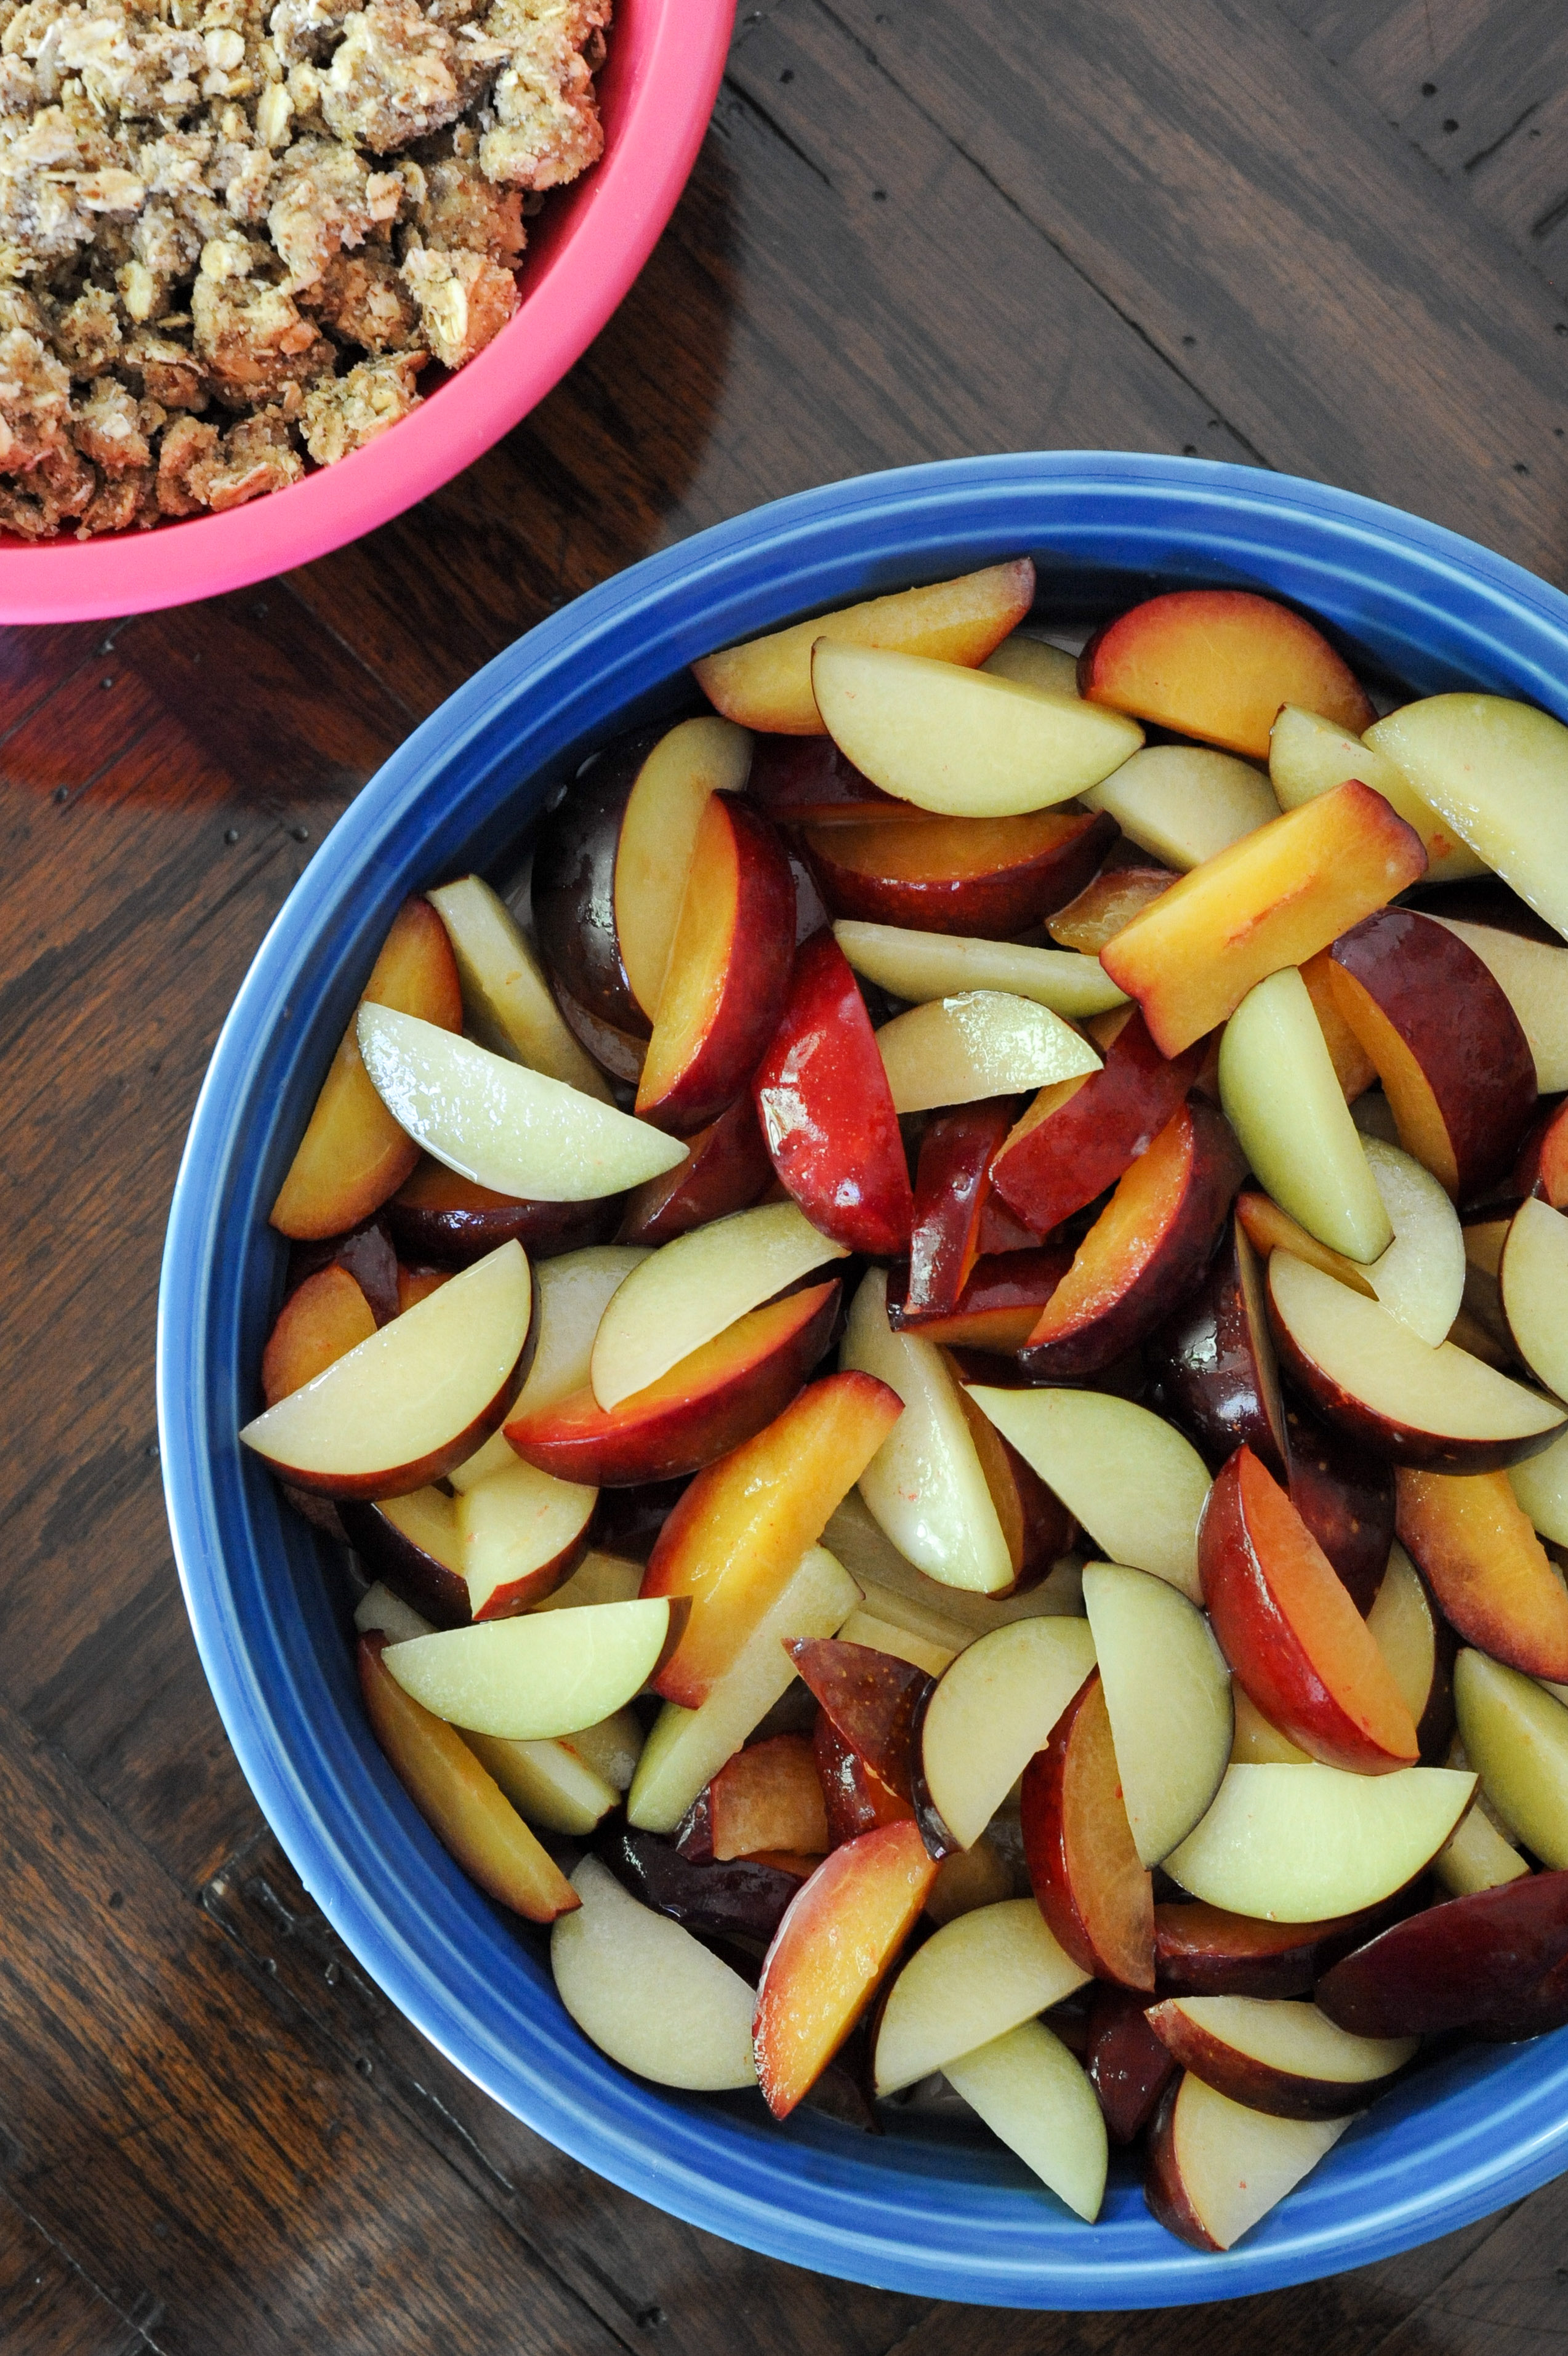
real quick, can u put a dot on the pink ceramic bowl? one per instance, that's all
(657, 92)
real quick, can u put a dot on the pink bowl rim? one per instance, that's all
(672, 59)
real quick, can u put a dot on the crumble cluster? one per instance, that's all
(233, 234)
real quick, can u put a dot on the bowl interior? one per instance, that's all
(932, 2207)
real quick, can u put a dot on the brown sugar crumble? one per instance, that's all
(231, 235)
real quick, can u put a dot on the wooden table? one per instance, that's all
(1326, 236)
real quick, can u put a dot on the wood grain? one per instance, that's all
(1482, 90)
(1236, 229)
(1347, 311)
(176, 2116)
(49, 2306)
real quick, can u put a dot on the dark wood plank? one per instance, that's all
(638, 2272)
(155, 809)
(218, 2156)
(1222, 183)
(839, 290)
(48, 2307)
(1482, 92)
(1507, 2298)
(1379, 2309)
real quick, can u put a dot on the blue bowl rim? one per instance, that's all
(800, 2196)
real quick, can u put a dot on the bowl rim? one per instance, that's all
(670, 62)
(803, 2194)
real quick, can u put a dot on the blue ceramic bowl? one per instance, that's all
(938, 2214)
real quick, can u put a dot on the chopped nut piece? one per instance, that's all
(257, 456)
(35, 403)
(187, 444)
(169, 373)
(464, 300)
(121, 500)
(361, 299)
(86, 333)
(253, 340)
(462, 210)
(326, 200)
(544, 100)
(275, 111)
(250, 183)
(110, 429)
(392, 79)
(344, 412)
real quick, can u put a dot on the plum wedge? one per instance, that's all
(727, 969)
(1451, 1053)
(766, 682)
(1213, 1361)
(726, 1169)
(996, 1707)
(1282, 1095)
(1489, 1570)
(1203, 1950)
(926, 1486)
(1167, 1692)
(828, 1953)
(1216, 2167)
(1079, 1135)
(965, 743)
(1217, 664)
(918, 966)
(984, 1043)
(1271, 900)
(506, 998)
(950, 1185)
(1439, 1409)
(545, 1674)
(413, 1399)
(1291, 1633)
(707, 1404)
(436, 1216)
(825, 1108)
(1310, 756)
(986, 877)
(980, 1976)
(1532, 1278)
(1083, 1861)
(686, 1293)
(1299, 1844)
(741, 1527)
(355, 1152)
(611, 864)
(1128, 1476)
(1516, 1736)
(1182, 803)
(1140, 1257)
(322, 1319)
(463, 1804)
(1496, 772)
(1283, 2058)
(1034, 2098)
(507, 1128)
(647, 1992)
(1449, 1964)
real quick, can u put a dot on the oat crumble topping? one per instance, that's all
(230, 235)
